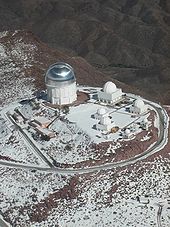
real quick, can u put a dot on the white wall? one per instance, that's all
(62, 95)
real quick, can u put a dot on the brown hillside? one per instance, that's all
(127, 39)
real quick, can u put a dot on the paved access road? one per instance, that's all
(30, 142)
(3, 223)
(159, 215)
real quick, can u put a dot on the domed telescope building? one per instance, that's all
(61, 84)
(110, 93)
(138, 107)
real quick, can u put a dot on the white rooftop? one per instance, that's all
(42, 120)
(82, 116)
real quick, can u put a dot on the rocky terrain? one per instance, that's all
(127, 196)
(24, 60)
(127, 39)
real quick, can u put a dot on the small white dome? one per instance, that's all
(105, 121)
(139, 103)
(101, 111)
(109, 87)
(127, 131)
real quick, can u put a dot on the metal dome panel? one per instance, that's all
(60, 72)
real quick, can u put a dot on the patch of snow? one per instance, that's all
(146, 137)
(98, 205)
(3, 34)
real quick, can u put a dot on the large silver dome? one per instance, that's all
(59, 72)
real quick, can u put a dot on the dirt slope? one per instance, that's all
(128, 39)
(24, 60)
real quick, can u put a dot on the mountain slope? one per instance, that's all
(24, 60)
(128, 39)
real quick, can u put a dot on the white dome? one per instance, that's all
(109, 87)
(139, 103)
(101, 111)
(127, 131)
(105, 121)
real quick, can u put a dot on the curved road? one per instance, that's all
(3, 223)
(156, 147)
(35, 148)
(159, 215)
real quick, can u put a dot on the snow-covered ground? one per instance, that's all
(119, 198)
(75, 134)
(145, 138)
(23, 187)
(86, 122)
(13, 146)
(129, 197)
(15, 84)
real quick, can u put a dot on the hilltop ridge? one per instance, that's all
(127, 39)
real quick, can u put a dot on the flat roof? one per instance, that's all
(42, 120)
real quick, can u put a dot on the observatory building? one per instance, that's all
(61, 84)
(100, 113)
(138, 107)
(105, 121)
(127, 134)
(110, 93)
(105, 124)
